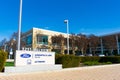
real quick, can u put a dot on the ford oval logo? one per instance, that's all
(25, 55)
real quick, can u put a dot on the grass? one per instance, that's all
(91, 63)
(9, 64)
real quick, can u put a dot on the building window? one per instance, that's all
(42, 39)
(29, 40)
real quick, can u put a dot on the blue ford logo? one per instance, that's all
(25, 55)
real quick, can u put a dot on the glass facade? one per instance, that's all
(29, 40)
(42, 39)
(119, 44)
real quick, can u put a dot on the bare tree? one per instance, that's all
(93, 43)
(59, 42)
(2, 43)
(72, 41)
(109, 43)
(82, 43)
(12, 43)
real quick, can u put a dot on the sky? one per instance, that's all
(96, 17)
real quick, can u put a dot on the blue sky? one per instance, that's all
(97, 17)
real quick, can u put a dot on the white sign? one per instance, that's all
(34, 58)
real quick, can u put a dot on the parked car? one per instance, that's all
(89, 54)
(79, 54)
(101, 55)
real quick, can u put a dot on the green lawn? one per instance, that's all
(9, 64)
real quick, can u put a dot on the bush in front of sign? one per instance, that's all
(3, 57)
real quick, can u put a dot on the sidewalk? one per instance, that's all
(106, 72)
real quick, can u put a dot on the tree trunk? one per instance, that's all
(111, 51)
(73, 51)
(82, 50)
(62, 47)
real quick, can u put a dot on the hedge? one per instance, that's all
(89, 58)
(3, 57)
(67, 60)
(90, 63)
(114, 59)
(75, 61)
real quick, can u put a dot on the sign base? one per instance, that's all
(33, 68)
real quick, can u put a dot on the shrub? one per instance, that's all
(90, 63)
(75, 61)
(89, 58)
(108, 62)
(115, 59)
(67, 60)
(3, 57)
(112, 59)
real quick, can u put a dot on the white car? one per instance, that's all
(89, 55)
(101, 55)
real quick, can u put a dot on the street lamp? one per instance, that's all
(101, 45)
(19, 27)
(117, 44)
(67, 22)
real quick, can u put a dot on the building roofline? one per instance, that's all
(115, 33)
(49, 30)
(27, 31)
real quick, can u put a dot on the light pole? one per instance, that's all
(19, 27)
(67, 22)
(117, 44)
(101, 45)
